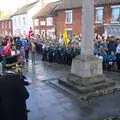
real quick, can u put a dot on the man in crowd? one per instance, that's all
(118, 54)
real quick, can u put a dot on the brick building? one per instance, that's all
(69, 13)
(45, 20)
(6, 27)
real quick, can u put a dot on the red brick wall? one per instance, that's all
(99, 28)
(60, 21)
(107, 14)
(77, 13)
(5, 27)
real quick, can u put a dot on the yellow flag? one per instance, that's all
(65, 37)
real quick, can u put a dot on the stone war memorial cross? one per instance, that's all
(86, 77)
(87, 65)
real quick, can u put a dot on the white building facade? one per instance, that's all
(22, 19)
(20, 24)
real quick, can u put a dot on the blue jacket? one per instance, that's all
(111, 58)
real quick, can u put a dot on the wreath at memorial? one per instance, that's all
(113, 118)
(101, 93)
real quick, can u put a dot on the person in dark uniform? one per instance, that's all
(13, 93)
(13, 97)
(112, 45)
(26, 49)
(50, 54)
(118, 54)
(45, 53)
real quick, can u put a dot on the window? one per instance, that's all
(68, 19)
(36, 22)
(49, 21)
(42, 23)
(15, 23)
(99, 15)
(50, 32)
(9, 25)
(115, 14)
(19, 21)
(24, 21)
(43, 33)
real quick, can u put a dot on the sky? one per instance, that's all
(12, 5)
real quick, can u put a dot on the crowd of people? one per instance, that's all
(59, 54)
(13, 93)
(18, 49)
(106, 48)
(17, 45)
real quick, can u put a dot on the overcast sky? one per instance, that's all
(14, 4)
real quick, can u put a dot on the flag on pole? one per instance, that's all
(65, 37)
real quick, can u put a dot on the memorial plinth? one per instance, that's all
(87, 78)
(86, 66)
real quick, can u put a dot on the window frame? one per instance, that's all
(66, 16)
(49, 21)
(102, 17)
(36, 21)
(115, 7)
(24, 20)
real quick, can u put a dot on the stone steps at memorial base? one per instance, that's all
(107, 91)
(84, 96)
(85, 89)
(65, 90)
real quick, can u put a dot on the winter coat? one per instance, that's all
(13, 97)
(112, 46)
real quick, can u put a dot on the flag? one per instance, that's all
(65, 37)
(7, 48)
(30, 33)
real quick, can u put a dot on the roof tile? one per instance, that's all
(48, 10)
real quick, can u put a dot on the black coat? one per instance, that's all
(112, 46)
(13, 95)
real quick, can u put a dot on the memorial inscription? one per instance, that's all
(93, 68)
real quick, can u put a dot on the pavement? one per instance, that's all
(49, 103)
